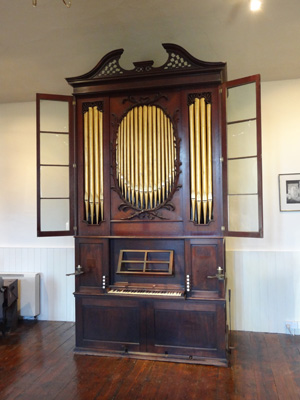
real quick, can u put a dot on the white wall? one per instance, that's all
(264, 274)
(20, 248)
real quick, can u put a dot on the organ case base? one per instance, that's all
(190, 328)
(177, 330)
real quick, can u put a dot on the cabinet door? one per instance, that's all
(55, 159)
(92, 256)
(242, 172)
(190, 330)
(110, 325)
(203, 258)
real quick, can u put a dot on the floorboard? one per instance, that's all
(37, 362)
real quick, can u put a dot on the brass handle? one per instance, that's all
(219, 275)
(78, 271)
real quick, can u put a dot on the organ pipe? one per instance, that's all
(145, 156)
(141, 174)
(198, 159)
(155, 166)
(192, 160)
(201, 194)
(209, 163)
(203, 158)
(150, 162)
(93, 166)
(86, 164)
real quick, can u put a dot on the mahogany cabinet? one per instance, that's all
(160, 175)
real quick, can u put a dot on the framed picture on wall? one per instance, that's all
(289, 192)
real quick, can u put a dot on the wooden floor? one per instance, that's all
(37, 362)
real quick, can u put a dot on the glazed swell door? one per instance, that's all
(55, 165)
(242, 161)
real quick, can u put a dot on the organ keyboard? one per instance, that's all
(143, 292)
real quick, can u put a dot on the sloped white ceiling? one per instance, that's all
(41, 46)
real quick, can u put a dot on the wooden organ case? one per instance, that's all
(149, 246)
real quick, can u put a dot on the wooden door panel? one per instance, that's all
(203, 257)
(108, 324)
(92, 255)
(188, 329)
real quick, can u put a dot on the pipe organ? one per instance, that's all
(150, 275)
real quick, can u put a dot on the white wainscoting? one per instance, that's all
(265, 285)
(265, 288)
(57, 300)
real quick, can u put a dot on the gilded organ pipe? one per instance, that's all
(150, 158)
(209, 163)
(159, 189)
(155, 160)
(118, 160)
(86, 164)
(132, 176)
(121, 151)
(128, 172)
(203, 158)
(192, 160)
(141, 175)
(146, 165)
(166, 154)
(200, 161)
(125, 156)
(145, 157)
(101, 167)
(136, 156)
(173, 154)
(93, 165)
(170, 146)
(97, 162)
(162, 145)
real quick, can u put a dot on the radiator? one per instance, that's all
(28, 292)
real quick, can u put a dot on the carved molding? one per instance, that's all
(86, 106)
(178, 60)
(205, 95)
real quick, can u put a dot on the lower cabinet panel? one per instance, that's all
(168, 330)
(192, 329)
(113, 324)
(180, 328)
(106, 324)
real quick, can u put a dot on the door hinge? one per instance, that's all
(222, 228)
(74, 165)
(75, 228)
(74, 102)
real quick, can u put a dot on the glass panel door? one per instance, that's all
(242, 172)
(55, 155)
